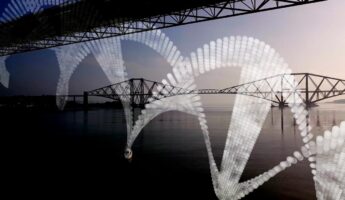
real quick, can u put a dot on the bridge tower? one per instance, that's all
(137, 96)
(282, 101)
(307, 100)
(137, 93)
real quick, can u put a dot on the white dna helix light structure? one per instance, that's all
(326, 154)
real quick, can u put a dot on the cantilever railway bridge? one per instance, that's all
(312, 88)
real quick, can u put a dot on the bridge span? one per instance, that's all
(41, 24)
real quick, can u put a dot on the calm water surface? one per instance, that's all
(79, 154)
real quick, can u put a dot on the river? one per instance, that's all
(80, 154)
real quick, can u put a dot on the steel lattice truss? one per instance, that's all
(317, 88)
(89, 20)
(138, 91)
(311, 88)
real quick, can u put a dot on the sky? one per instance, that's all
(311, 38)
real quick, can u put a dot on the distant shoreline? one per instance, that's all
(340, 101)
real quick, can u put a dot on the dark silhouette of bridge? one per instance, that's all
(311, 88)
(85, 20)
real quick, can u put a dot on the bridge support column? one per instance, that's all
(307, 100)
(86, 100)
(282, 104)
(282, 119)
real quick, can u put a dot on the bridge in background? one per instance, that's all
(311, 88)
(75, 21)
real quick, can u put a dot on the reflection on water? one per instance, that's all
(176, 135)
(86, 149)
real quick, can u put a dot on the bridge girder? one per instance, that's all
(89, 20)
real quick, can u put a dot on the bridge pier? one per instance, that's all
(279, 105)
(310, 104)
(282, 119)
(282, 105)
(86, 100)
